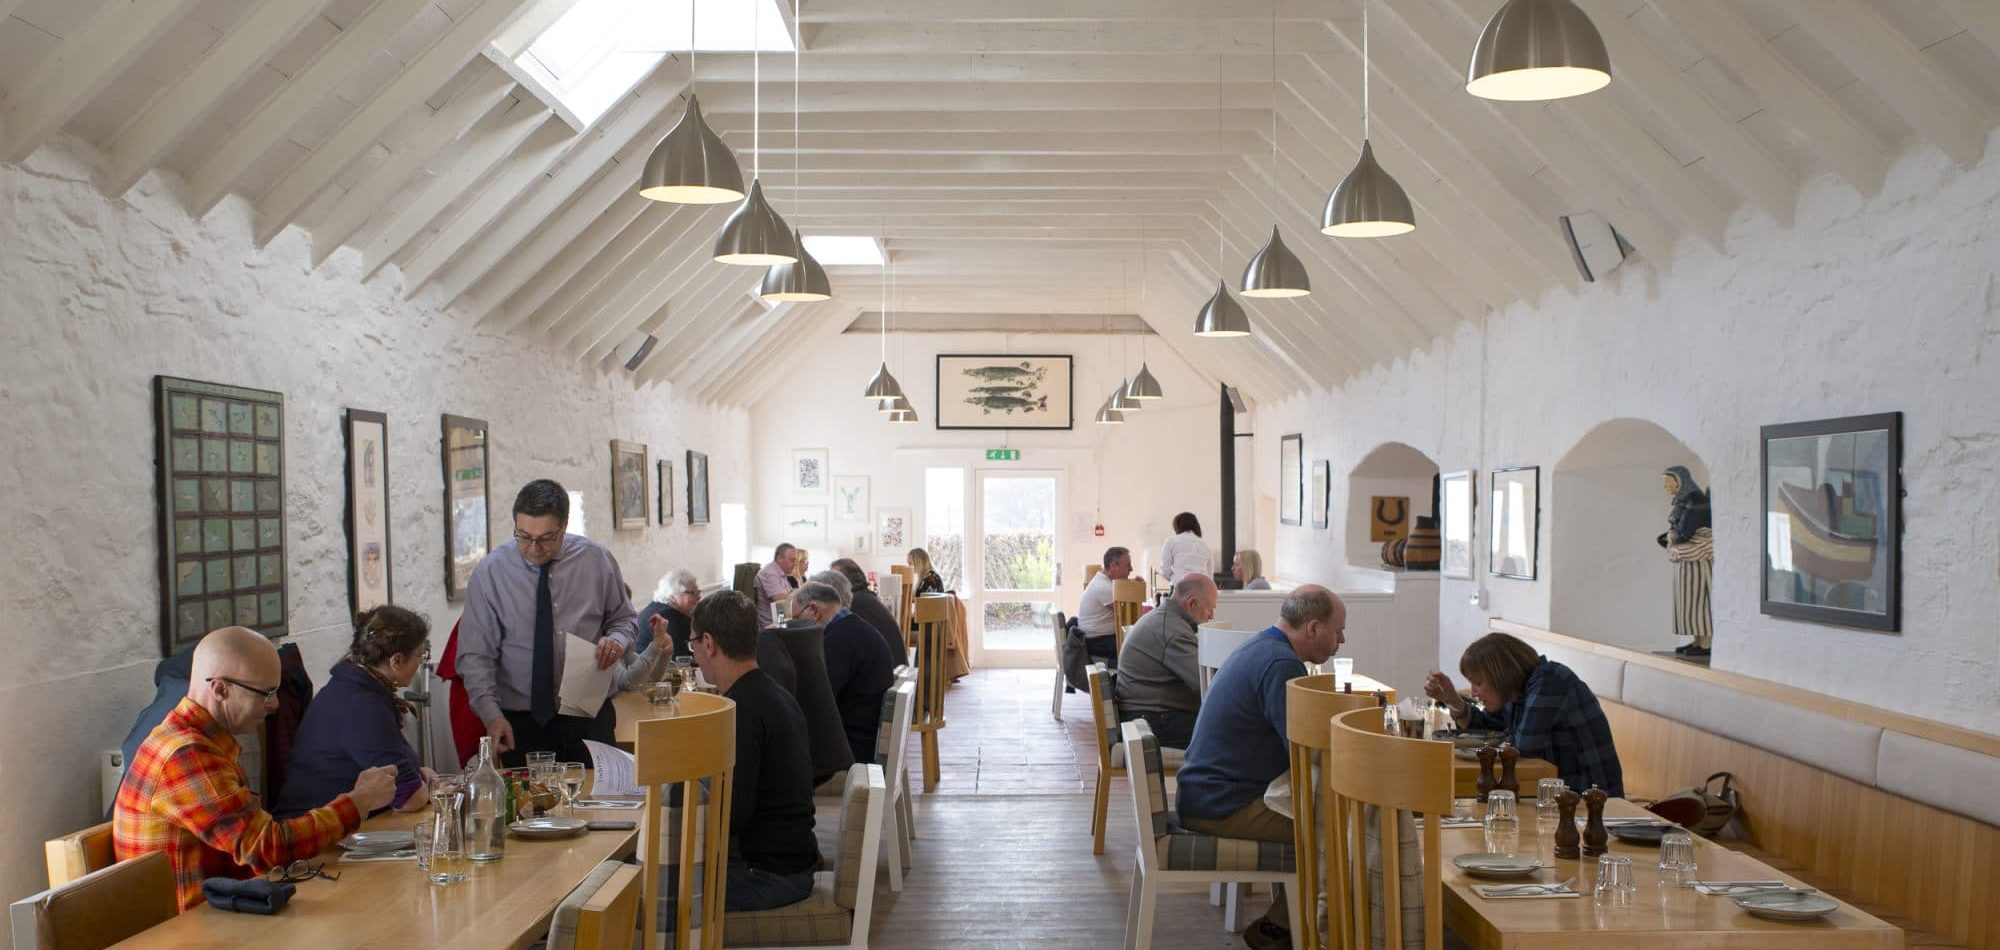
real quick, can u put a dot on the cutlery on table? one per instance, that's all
(1528, 888)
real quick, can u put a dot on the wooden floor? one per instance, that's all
(1003, 854)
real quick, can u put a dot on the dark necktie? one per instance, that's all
(542, 678)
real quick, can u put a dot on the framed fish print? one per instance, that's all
(368, 562)
(1003, 391)
(666, 490)
(468, 533)
(221, 490)
(628, 485)
(850, 499)
(697, 466)
(802, 522)
(1833, 519)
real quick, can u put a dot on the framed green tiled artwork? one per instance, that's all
(221, 489)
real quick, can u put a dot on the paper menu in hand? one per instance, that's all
(584, 686)
(614, 772)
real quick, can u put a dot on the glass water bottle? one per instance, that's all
(486, 807)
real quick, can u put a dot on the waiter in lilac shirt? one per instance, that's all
(522, 598)
(774, 583)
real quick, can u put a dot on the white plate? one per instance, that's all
(367, 841)
(1488, 864)
(548, 827)
(1782, 905)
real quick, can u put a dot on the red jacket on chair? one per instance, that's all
(466, 729)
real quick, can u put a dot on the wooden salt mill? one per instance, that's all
(1566, 836)
(1487, 781)
(1508, 757)
(1596, 840)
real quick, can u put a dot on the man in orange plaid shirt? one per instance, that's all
(184, 793)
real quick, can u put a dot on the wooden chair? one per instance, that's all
(1061, 625)
(601, 914)
(1090, 571)
(840, 909)
(98, 909)
(1128, 599)
(78, 853)
(898, 704)
(909, 576)
(1170, 855)
(901, 777)
(932, 611)
(697, 745)
(1213, 645)
(1112, 753)
(1364, 768)
(1311, 702)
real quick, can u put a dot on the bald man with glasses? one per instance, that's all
(522, 598)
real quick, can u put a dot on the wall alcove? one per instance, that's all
(1609, 579)
(1392, 470)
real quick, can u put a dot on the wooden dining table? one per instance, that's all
(1661, 916)
(503, 904)
(1528, 772)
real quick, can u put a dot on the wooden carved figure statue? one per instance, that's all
(1690, 545)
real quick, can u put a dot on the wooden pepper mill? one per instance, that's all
(1566, 836)
(1509, 756)
(1596, 840)
(1487, 780)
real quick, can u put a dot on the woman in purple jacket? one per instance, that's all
(356, 720)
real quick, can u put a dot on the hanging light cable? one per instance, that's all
(1221, 315)
(1368, 202)
(1535, 50)
(692, 165)
(754, 235)
(804, 279)
(1275, 271)
(901, 412)
(883, 388)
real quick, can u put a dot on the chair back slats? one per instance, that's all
(933, 614)
(1365, 767)
(909, 576)
(1090, 571)
(1127, 598)
(98, 909)
(697, 743)
(1104, 711)
(1149, 789)
(78, 853)
(602, 913)
(1310, 704)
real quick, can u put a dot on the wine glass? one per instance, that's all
(572, 783)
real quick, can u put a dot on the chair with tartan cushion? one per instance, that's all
(1061, 625)
(601, 914)
(897, 706)
(1110, 750)
(694, 751)
(839, 910)
(1375, 781)
(1169, 854)
(1311, 702)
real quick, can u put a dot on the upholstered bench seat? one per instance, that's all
(816, 920)
(1189, 851)
(1169, 757)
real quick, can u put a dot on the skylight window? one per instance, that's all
(588, 58)
(832, 250)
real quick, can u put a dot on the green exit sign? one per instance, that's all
(1003, 455)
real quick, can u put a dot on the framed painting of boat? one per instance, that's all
(1833, 518)
(1001, 391)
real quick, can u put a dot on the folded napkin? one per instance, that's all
(1736, 888)
(1451, 822)
(254, 896)
(1525, 892)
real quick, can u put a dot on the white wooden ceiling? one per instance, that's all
(1014, 152)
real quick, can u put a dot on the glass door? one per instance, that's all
(1016, 567)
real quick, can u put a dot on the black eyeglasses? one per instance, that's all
(298, 871)
(239, 684)
(544, 541)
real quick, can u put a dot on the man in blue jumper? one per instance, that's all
(1239, 742)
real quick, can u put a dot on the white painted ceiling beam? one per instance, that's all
(751, 379)
(79, 69)
(569, 258)
(477, 284)
(1182, 37)
(519, 167)
(685, 272)
(1932, 102)
(1168, 94)
(1193, 283)
(417, 82)
(145, 141)
(948, 69)
(750, 334)
(479, 156)
(600, 274)
(778, 149)
(1030, 12)
(1286, 327)
(1982, 17)
(1196, 118)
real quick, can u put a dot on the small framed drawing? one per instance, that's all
(1833, 513)
(369, 581)
(665, 489)
(892, 530)
(808, 474)
(1321, 485)
(629, 485)
(697, 465)
(850, 499)
(1291, 479)
(467, 533)
(863, 542)
(1516, 519)
(803, 522)
(1456, 504)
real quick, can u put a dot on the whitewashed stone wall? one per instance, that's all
(99, 295)
(1868, 304)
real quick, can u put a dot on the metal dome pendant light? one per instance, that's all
(804, 279)
(754, 235)
(1275, 271)
(692, 165)
(1107, 416)
(1121, 402)
(882, 388)
(1221, 316)
(1536, 50)
(1368, 202)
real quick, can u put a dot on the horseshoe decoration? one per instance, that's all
(1391, 518)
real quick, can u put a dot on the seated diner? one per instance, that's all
(1537, 704)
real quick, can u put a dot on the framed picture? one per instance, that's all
(629, 485)
(803, 522)
(697, 465)
(850, 499)
(1456, 504)
(1003, 391)
(1833, 520)
(808, 473)
(666, 491)
(892, 530)
(1388, 517)
(1291, 475)
(862, 542)
(368, 562)
(221, 484)
(1516, 520)
(1321, 484)
(468, 534)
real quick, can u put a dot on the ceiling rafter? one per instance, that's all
(416, 212)
(79, 69)
(1941, 110)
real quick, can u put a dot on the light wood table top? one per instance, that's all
(1529, 772)
(504, 904)
(632, 708)
(1660, 917)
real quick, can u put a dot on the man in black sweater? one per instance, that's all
(857, 664)
(772, 851)
(870, 607)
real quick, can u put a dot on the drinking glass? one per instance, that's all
(422, 837)
(572, 783)
(1343, 670)
(1463, 807)
(1677, 864)
(1392, 721)
(540, 760)
(1615, 885)
(1503, 825)
(449, 864)
(1547, 812)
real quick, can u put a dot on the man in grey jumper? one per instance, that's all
(1159, 679)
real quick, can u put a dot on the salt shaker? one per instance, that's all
(1566, 836)
(1487, 781)
(1596, 840)
(1508, 757)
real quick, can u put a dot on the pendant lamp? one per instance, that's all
(1107, 416)
(1368, 202)
(692, 165)
(883, 387)
(1534, 50)
(1275, 271)
(903, 417)
(1221, 316)
(803, 279)
(754, 235)
(1143, 384)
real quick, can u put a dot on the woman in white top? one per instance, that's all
(1185, 552)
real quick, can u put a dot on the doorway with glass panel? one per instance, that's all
(1015, 571)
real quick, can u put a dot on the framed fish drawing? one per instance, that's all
(1003, 391)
